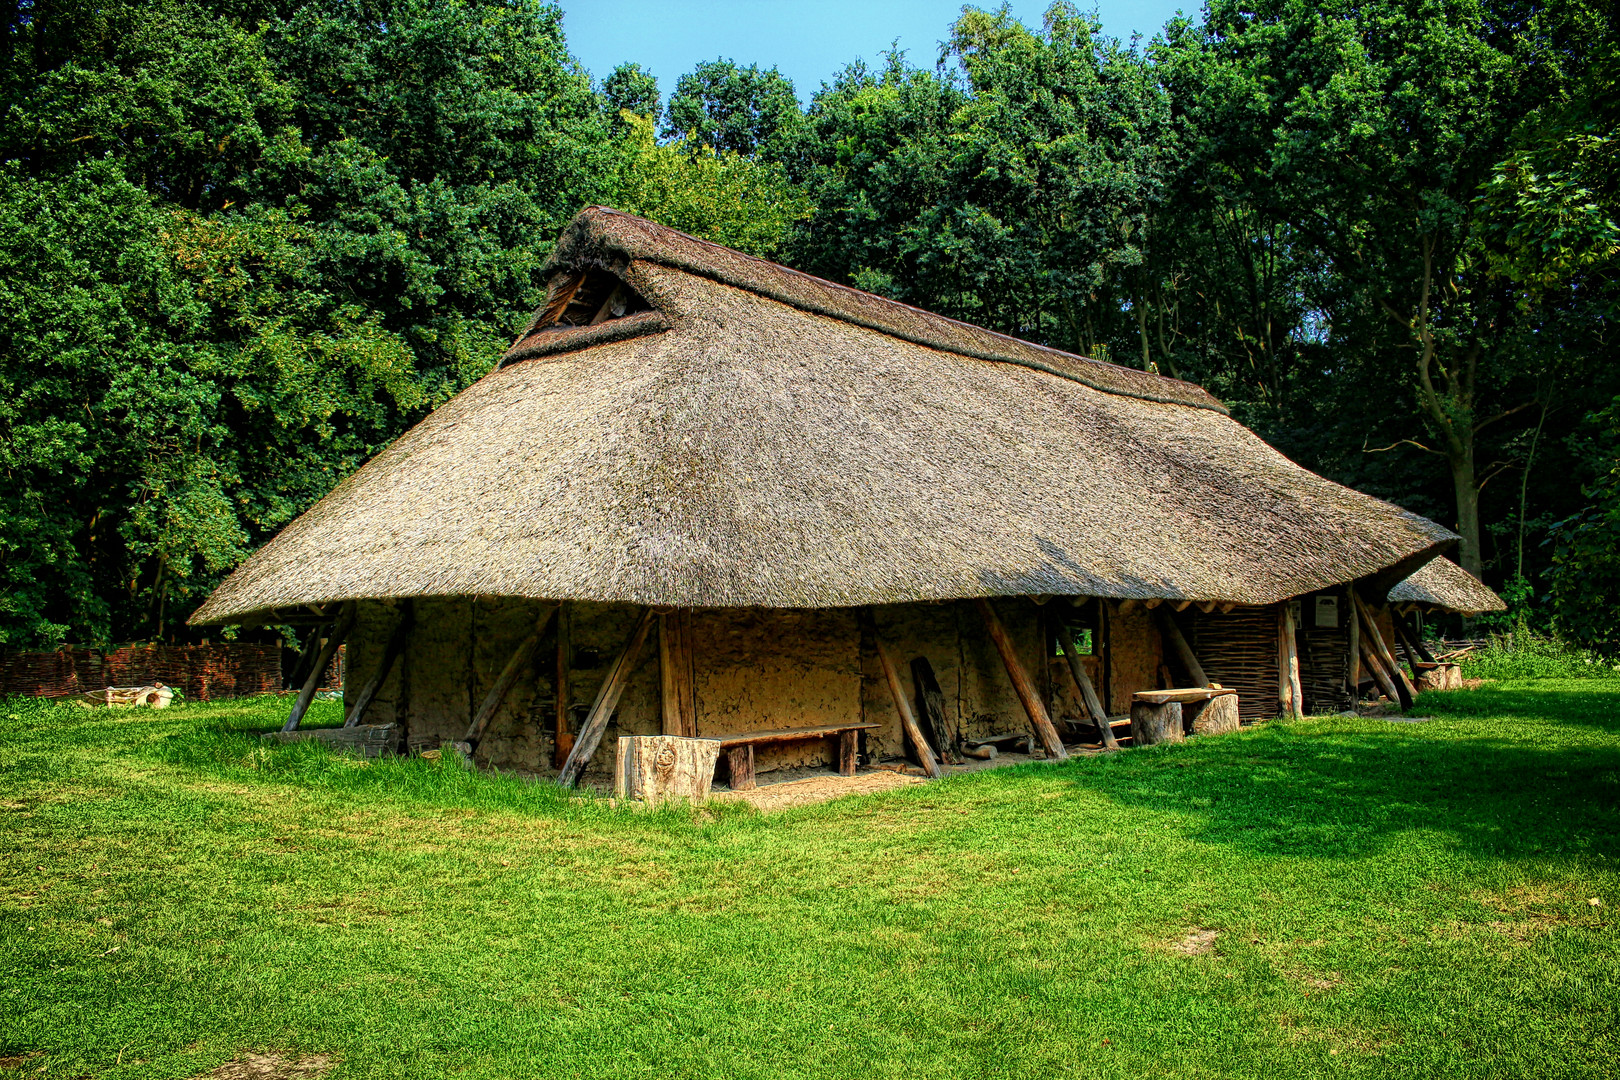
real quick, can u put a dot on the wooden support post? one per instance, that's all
(607, 699)
(391, 653)
(908, 721)
(339, 631)
(1354, 622)
(1375, 667)
(509, 674)
(1288, 688)
(1088, 692)
(931, 708)
(846, 752)
(1039, 720)
(563, 739)
(306, 655)
(1375, 637)
(679, 700)
(1410, 642)
(740, 765)
(1183, 651)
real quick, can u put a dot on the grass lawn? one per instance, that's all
(1325, 897)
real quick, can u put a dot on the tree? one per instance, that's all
(741, 110)
(629, 89)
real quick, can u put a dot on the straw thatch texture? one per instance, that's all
(610, 239)
(757, 454)
(1442, 583)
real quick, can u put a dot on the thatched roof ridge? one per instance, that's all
(1442, 583)
(599, 236)
(738, 451)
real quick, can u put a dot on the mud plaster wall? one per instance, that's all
(762, 670)
(979, 697)
(753, 670)
(1134, 654)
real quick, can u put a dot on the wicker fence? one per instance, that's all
(201, 672)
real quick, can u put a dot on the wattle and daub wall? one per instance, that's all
(757, 669)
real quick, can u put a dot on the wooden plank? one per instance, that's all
(521, 656)
(1161, 697)
(605, 312)
(558, 302)
(391, 653)
(931, 707)
(562, 738)
(1375, 638)
(1082, 682)
(340, 631)
(676, 680)
(740, 765)
(907, 721)
(759, 738)
(607, 699)
(1184, 653)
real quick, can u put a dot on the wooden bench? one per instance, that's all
(1168, 715)
(739, 748)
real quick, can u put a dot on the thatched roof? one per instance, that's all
(1442, 583)
(760, 437)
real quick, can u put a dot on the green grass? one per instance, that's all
(1390, 899)
(1527, 655)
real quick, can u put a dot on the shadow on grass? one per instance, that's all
(1514, 772)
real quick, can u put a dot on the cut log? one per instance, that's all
(1373, 635)
(391, 653)
(1045, 733)
(1217, 716)
(1082, 683)
(679, 699)
(740, 767)
(340, 631)
(931, 708)
(1178, 645)
(1375, 667)
(1438, 676)
(985, 752)
(908, 721)
(1156, 723)
(656, 768)
(563, 739)
(848, 745)
(607, 699)
(521, 656)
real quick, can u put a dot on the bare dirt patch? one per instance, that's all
(272, 1067)
(818, 789)
(1197, 942)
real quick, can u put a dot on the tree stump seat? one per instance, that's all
(738, 748)
(1171, 715)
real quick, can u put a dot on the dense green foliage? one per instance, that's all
(243, 245)
(1329, 897)
(1525, 654)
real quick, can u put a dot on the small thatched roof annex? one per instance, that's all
(1443, 584)
(726, 432)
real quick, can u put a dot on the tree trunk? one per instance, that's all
(1464, 480)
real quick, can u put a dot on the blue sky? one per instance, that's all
(808, 40)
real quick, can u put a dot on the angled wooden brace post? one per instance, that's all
(607, 699)
(391, 654)
(1082, 682)
(1038, 718)
(509, 674)
(345, 623)
(908, 720)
